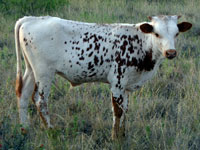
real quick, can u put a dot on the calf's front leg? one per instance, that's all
(119, 108)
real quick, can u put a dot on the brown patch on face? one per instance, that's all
(19, 85)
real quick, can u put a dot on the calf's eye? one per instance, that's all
(177, 34)
(157, 35)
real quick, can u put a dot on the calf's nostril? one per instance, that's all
(170, 54)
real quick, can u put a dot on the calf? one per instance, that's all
(123, 55)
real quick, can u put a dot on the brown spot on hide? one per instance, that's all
(77, 48)
(95, 38)
(78, 63)
(97, 46)
(130, 38)
(101, 63)
(117, 131)
(86, 33)
(107, 60)
(120, 61)
(90, 65)
(81, 58)
(96, 60)
(147, 63)
(43, 105)
(90, 54)
(117, 110)
(82, 52)
(19, 85)
(42, 95)
(43, 119)
(116, 35)
(33, 95)
(123, 37)
(92, 75)
(143, 64)
(90, 46)
(85, 39)
(123, 47)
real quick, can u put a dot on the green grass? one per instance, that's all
(163, 115)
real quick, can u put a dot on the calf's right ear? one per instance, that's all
(146, 28)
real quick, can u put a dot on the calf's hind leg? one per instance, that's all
(23, 97)
(40, 97)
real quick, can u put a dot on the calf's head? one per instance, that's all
(164, 30)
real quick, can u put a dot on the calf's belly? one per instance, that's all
(77, 75)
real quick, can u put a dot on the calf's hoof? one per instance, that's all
(118, 135)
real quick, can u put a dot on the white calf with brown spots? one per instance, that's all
(123, 55)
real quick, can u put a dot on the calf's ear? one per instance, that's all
(146, 28)
(184, 26)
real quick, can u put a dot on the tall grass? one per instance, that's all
(163, 115)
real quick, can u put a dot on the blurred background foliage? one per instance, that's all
(30, 7)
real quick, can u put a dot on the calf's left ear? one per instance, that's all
(184, 26)
(146, 28)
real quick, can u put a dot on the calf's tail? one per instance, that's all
(19, 81)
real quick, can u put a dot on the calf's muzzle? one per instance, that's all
(170, 54)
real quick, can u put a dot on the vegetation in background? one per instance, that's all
(30, 7)
(163, 115)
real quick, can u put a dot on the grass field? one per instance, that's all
(163, 115)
